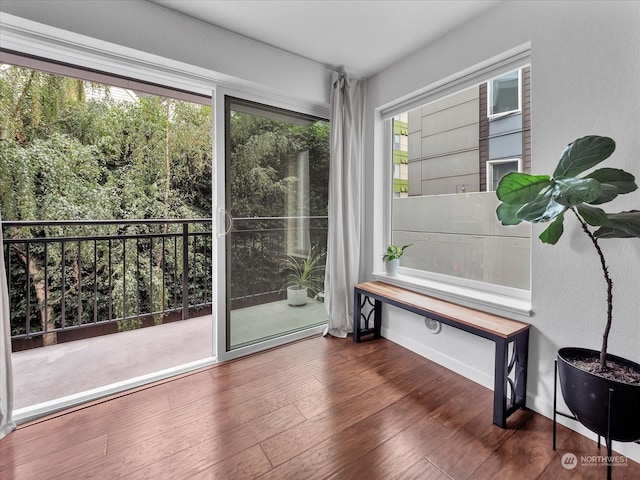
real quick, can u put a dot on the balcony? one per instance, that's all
(98, 303)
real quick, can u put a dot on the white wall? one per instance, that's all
(150, 28)
(585, 79)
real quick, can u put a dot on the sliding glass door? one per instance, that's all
(277, 170)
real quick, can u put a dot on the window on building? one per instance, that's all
(496, 169)
(504, 94)
(457, 152)
(396, 142)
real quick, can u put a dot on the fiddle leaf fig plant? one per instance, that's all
(543, 198)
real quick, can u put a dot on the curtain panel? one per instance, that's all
(343, 244)
(6, 379)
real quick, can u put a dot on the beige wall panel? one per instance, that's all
(464, 163)
(448, 185)
(415, 180)
(414, 122)
(456, 116)
(447, 102)
(460, 139)
(415, 146)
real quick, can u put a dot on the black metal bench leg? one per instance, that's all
(521, 345)
(500, 384)
(357, 316)
(377, 319)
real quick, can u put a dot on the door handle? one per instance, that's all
(227, 214)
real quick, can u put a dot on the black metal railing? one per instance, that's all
(66, 275)
(258, 247)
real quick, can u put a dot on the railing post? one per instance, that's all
(185, 271)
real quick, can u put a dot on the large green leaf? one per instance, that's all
(507, 214)
(542, 209)
(621, 225)
(554, 231)
(517, 188)
(607, 193)
(613, 182)
(623, 181)
(574, 191)
(582, 154)
(592, 215)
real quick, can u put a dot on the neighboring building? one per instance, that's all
(459, 147)
(505, 128)
(468, 141)
(400, 156)
(101, 92)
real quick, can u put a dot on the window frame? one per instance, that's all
(501, 300)
(491, 163)
(493, 116)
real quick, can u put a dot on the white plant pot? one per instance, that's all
(297, 296)
(392, 267)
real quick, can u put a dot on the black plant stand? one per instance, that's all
(607, 438)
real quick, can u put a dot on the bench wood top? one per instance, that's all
(493, 325)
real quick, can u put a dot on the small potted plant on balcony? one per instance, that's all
(304, 276)
(391, 258)
(586, 376)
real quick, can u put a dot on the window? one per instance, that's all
(396, 142)
(496, 169)
(459, 145)
(504, 94)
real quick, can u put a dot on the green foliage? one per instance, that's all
(261, 149)
(541, 198)
(69, 151)
(305, 272)
(63, 157)
(263, 184)
(394, 252)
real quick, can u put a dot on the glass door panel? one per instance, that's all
(276, 193)
(112, 287)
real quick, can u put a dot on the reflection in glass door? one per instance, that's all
(277, 173)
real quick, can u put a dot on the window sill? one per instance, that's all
(495, 303)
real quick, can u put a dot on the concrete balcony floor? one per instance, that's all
(49, 373)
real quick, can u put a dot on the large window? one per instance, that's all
(458, 148)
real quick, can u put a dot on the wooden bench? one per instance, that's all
(510, 371)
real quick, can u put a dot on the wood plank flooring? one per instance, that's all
(318, 408)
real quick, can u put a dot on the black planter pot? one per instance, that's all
(587, 396)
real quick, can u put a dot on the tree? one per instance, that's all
(63, 156)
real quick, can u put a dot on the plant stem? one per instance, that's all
(605, 271)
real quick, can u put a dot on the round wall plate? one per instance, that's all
(432, 325)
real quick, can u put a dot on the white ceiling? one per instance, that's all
(360, 36)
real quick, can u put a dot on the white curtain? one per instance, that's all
(343, 245)
(6, 387)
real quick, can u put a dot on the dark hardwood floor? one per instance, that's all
(318, 408)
